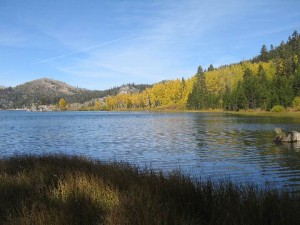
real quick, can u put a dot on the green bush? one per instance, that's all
(278, 108)
(296, 103)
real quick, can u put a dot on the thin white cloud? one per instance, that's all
(84, 50)
(152, 40)
(157, 52)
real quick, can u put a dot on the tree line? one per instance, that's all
(270, 79)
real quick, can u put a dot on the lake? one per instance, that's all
(215, 145)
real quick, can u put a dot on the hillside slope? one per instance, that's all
(41, 91)
(271, 79)
(47, 91)
(47, 86)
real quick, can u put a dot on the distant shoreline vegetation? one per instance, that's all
(268, 82)
(61, 189)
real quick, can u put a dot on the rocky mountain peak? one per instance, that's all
(127, 89)
(46, 85)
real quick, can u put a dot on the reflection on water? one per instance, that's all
(294, 146)
(215, 145)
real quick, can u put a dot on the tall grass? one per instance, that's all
(58, 189)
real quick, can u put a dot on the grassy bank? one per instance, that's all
(288, 114)
(75, 190)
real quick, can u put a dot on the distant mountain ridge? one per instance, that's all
(48, 86)
(47, 91)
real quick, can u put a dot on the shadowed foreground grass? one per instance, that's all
(75, 190)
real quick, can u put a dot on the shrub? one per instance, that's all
(296, 103)
(278, 108)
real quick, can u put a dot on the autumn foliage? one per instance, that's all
(62, 104)
(272, 78)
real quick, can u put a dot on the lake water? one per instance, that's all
(214, 145)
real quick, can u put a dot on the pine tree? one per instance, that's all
(296, 82)
(250, 86)
(227, 99)
(239, 99)
(264, 53)
(211, 68)
(263, 89)
(198, 97)
(283, 90)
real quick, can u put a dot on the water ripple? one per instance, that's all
(215, 145)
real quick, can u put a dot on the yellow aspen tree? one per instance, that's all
(97, 105)
(62, 104)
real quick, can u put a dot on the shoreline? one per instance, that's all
(241, 113)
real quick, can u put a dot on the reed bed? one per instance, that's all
(61, 189)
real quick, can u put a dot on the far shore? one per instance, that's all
(287, 113)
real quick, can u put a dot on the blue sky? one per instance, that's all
(99, 44)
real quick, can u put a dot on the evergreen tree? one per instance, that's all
(227, 99)
(264, 53)
(296, 82)
(211, 68)
(198, 98)
(263, 89)
(239, 98)
(295, 43)
(213, 101)
(283, 90)
(250, 86)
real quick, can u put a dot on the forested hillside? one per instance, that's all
(48, 92)
(270, 79)
(42, 92)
